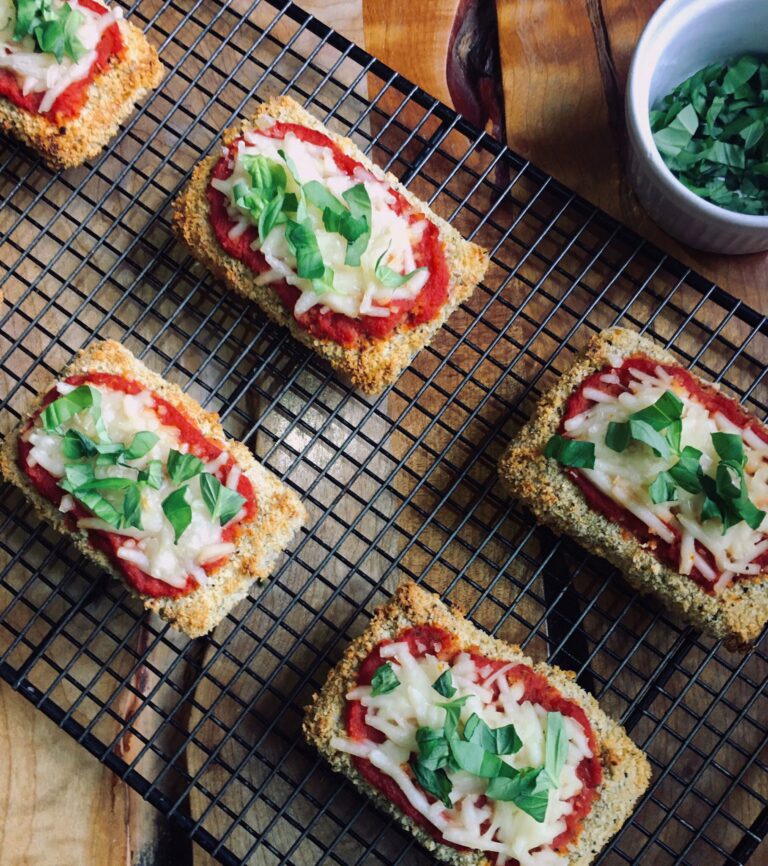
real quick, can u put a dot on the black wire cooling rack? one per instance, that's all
(402, 485)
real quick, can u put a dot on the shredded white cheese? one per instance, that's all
(511, 833)
(39, 72)
(152, 548)
(625, 476)
(356, 289)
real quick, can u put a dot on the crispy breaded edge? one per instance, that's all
(626, 772)
(111, 98)
(375, 364)
(737, 614)
(280, 513)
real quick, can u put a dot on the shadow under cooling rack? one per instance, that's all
(399, 486)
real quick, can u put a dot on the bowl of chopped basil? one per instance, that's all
(697, 116)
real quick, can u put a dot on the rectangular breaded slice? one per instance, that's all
(427, 640)
(371, 364)
(260, 534)
(66, 142)
(726, 604)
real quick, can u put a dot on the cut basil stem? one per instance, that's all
(384, 680)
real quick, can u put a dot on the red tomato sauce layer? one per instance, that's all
(423, 640)
(70, 102)
(711, 399)
(327, 324)
(109, 542)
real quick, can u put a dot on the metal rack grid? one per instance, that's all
(401, 485)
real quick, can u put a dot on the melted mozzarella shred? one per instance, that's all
(151, 548)
(511, 833)
(626, 476)
(39, 72)
(357, 291)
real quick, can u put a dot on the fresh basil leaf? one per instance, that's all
(98, 506)
(271, 215)
(220, 500)
(556, 750)
(729, 446)
(663, 488)
(528, 790)
(73, 20)
(389, 278)
(109, 483)
(435, 782)
(434, 751)
(182, 467)
(452, 714)
(63, 408)
(477, 731)
(677, 134)
(323, 199)
(152, 475)
(141, 444)
(685, 473)
(618, 435)
(507, 740)
(358, 229)
(109, 453)
(78, 474)
(570, 452)
(473, 758)
(303, 244)
(444, 684)
(384, 680)
(132, 507)
(666, 410)
(728, 480)
(178, 511)
(76, 445)
(325, 283)
(643, 432)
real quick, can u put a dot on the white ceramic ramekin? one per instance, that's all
(682, 37)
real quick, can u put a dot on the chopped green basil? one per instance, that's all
(63, 408)
(500, 741)
(221, 501)
(711, 132)
(570, 452)
(473, 758)
(358, 228)
(435, 782)
(434, 751)
(141, 443)
(556, 748)
(55, 30)
(384, 680)
(178, 511)
(528, 790)
(647, 425)
(182, 467)
(132, 507)
(303, 244)
(76, 445)
(444, 684)
(152, 475)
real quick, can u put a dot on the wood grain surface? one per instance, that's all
(563, 66)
